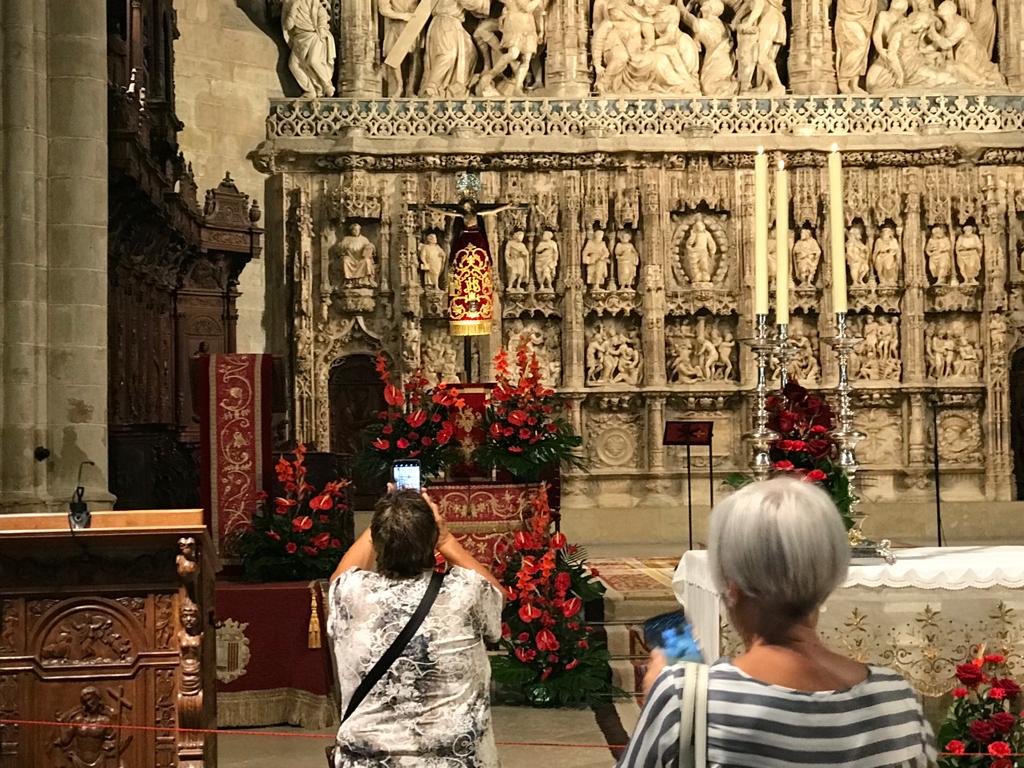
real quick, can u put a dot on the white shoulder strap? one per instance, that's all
(693, 713)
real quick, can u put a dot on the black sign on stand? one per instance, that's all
(690, 433)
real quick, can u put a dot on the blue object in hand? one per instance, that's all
(673, 634)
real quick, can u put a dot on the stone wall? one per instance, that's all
(228, 63)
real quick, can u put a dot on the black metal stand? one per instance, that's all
(467, 357)
(937, 467)
(690, 433)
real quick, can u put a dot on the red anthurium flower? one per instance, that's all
(291, 547)
(528, 612)
(571, 607)
(322, 502)
(321, 540)
(558, 540)
(303, 523)
(381, 444)
(393, 396)
(312, 551)
(525, 655)
(784, 465)
(525, 433)
(562, 581)
(546, 641)
(402, 443)
(517, 418)
(506, 630)
(572, 665)
(416, 419)
(274, 535)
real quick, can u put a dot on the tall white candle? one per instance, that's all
(761, 232)
(837, 221)
(782, 267)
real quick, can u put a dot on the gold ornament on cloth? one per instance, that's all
(315, 641)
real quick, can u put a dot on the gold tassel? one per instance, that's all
(314, 619)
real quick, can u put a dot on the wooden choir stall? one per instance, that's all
(103, 629)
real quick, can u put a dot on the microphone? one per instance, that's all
(79, 517)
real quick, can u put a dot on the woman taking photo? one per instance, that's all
(777, 550)
(429, 705)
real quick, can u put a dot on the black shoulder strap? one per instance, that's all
(392, 653)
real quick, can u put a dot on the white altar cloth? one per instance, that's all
(921, 614)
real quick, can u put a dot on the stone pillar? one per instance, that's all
(573, 339)
(568, 65)
(1011, 40)
(812, 65)
(912, 328)
(358, 52)
(53, 250)
(652, 283)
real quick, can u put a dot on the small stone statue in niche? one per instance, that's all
(596, 259)
(517, 262)
(939, 251)
(626, 259)
(432, 258)
(887, 256)
(857, 257)
(968, 254)
(545, 257)
(700, 251)
(806, 257)
(307, 31)
(357, 259)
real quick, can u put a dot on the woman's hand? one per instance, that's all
(655, 665)
(444, 536)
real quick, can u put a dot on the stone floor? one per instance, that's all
(512, 725)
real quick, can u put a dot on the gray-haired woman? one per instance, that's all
(777, 550)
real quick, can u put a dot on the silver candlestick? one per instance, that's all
(784, 352)
(847, 439)
(761, 437)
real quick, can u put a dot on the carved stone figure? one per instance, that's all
(450, 56)
(718, 70)
(626, 259)
(806, 257)
(307, 31)
(879, 358)
(701, 353)
(982, 16)
(853, 26)
(887, 256)
(939, 251)
(396, 15)
(952, 354)
(857, 256)
(440, 360)
(972, 64)
(520, 39)
(804, 367)
(700, 251)
(357, 258)
(432, 259)
(596, 259)
(887, 71)
(517, 262)
(537, 342)
(89, 735)
(910, 60)
(761, 28)
(612, 357)
(968, 254)
(545, 256)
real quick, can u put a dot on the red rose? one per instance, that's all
(558, 540)
(303, 523)
(528, 612)
(572, 664)
(525, 655)
(956, 747)
(784, 466)
(1009, 686)
(999, 749)
(996, 694)
(981, 731)
(969, 675)
(517, 418)
(787, 420)
(1003, 721)
(571, 607)
(818, 448)
(816, 476)
(960, 693)
(381, 444)
(291, 547)
(1002, 763)
(819, 429)
(546, 640)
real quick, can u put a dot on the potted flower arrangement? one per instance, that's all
(552, 656)
(417, 424)
(523, 431)
(805, 446)
(298, 535)
(983, 726)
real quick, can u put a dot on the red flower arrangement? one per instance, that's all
(418, 424)
(298, 535)
(553, 657)
(984, 726)
(523, 431)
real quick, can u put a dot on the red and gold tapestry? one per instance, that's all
(235, 408)
(470, 285)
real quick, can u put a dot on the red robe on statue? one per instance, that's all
(470, 285)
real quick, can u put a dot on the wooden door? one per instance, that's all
(356, 396)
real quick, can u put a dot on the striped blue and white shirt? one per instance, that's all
(876, 723)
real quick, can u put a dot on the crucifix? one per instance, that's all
(470, 280)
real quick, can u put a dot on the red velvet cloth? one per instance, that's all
(278, 632)
(470, 285)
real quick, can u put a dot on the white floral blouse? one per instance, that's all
(432, 708)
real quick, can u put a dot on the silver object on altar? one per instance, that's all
(847, 438)
(784, 352)
(761, 437)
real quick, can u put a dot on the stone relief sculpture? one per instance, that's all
(627, 260)
(702, 352)
(397, 14)
(806, 258)
(700, 251)
(968, 251)
(761, 31)
(613, 356)
(878, 357)
(982, 16)
(545, 261)
(307, 31)
(596, 260)
(450, 56)
(971, 60)
(803, 365)
(951, 353)
(886, 257)
(356, 252)
(432, 258)
(543, 343)
(718, 69)
(857, 257)
(520, 40)
(440, 358)
(939, 251)
(517, 263)
(854, 23)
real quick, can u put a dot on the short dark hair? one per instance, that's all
(404, 535)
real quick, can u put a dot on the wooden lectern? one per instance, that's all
(104, 629)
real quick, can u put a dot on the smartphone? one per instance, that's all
(673, 634)
(406, 475)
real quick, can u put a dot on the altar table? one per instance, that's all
(921, 616)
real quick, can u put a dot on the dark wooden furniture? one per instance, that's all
(107, 627)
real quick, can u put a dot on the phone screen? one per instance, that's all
(406, 475)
